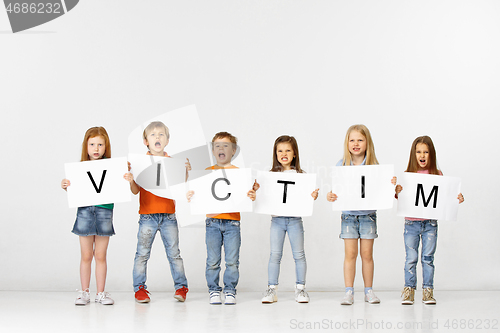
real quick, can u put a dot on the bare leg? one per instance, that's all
(351, 253)
(366, 252)
(101, 267)
(87, 253)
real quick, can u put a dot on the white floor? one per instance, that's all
(56, 312)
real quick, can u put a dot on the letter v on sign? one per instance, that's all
(97, 189)
(26, 14)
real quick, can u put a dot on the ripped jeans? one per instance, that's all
(414, 231)
(149, 225)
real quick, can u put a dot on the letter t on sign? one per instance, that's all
(286, 182)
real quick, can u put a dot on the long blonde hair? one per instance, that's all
(370, 147)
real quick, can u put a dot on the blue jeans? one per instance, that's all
(218, 233)
(149, 225)
(280, 225)
(414, 231)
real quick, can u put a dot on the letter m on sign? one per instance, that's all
(434, 192)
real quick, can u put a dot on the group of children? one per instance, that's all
(94, 224)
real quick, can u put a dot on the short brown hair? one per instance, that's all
(222, 135)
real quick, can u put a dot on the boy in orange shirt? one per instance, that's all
(157, 214)
(223, 230)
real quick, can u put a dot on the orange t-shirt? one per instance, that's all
(153, 204)
(225, 216)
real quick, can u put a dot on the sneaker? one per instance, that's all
(104, 298)
(230, 299)
(371, 298)
(270, 295)
(408, 295)
(180, 294)
(141, 295)
(83, 297)
(215, 297)
(301, 295)
(348, 298)
(427, 296)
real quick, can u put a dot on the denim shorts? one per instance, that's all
(359, 226)
(94, 221)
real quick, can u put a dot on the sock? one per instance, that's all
(367, 289)
(349, 288)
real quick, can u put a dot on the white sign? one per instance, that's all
(363, 187)
(222, 191)
(157, 174)
(184, 127)
(97, 182)
(285, 194)
(428, 196)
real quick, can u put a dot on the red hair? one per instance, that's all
(92, 133)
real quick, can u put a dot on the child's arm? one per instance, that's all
(188, 168)
(331, 196)
(134, 188)
(252, 194)
(398, 190)
(65, 183)
(189, 195)
(315, 194)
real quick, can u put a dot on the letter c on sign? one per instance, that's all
(213, 189)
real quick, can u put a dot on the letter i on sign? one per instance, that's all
(362, 187)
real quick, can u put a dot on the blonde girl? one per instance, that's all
(286, 159)
(94, 224)
(422, 160)
(358, 224)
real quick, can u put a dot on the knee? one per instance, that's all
(100, 257)
(299, 256)
(428, 259)
(275, 257)
(350, 255)
(367, 256)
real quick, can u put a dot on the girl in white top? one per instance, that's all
(286, 159)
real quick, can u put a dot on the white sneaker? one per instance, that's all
(230, 299)
(83, 297)
(348, 298)
(270, 295)
(301, 295)
(371, 298)
(215, 297)
(104, 298)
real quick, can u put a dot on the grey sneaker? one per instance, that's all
(215, 298)
(270, 295)
(427, 296)
(229, 299)
(371, 298)
(301, 295)
(408, 295)
(83, 297)
(104, 298)
(348, 298)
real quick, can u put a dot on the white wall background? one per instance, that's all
(258, 69)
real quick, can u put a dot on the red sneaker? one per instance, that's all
(141, 295)
(180, 294)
